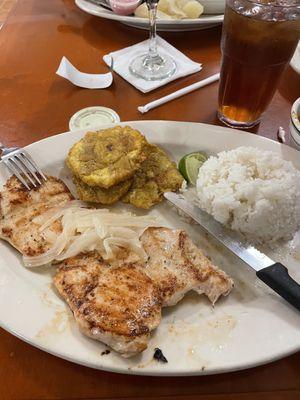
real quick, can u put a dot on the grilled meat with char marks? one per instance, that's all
(177, 266)
(19, 207)
(118, 305)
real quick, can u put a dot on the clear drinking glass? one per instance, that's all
(152, 66)
(258, 40)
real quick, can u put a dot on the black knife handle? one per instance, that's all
(277, 278)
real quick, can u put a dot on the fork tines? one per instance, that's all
(21, 164)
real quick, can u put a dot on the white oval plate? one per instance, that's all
(204, 22)
(252, 326)
(295, 61)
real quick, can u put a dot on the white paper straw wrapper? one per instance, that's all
(179, 93)
(281, 135)
(81, 79)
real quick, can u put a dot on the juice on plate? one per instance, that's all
(259, 38)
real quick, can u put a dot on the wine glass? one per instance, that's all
(152, 66)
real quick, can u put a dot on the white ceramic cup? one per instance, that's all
(295, 124)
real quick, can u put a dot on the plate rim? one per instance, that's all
(295, 61)
(141, 372)
(238, 132)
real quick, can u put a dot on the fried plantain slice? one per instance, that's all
(106, 158)
(158, 174)
(94, 194)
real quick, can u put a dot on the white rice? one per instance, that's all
(252, 191)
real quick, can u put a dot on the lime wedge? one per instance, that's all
(189, 166)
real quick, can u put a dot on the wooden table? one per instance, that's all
(35, 103)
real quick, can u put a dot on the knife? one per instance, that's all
(272, 273)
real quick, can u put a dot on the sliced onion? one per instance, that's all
(58, 212)
(41, 259)
(82, 243)
(85, 229)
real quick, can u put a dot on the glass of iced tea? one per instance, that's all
(258, 40)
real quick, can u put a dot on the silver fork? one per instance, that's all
(20, 163)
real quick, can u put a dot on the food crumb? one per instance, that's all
(158, 355)
(183, 187)
(105, 352)
(281, 135)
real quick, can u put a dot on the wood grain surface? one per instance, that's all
(36, 103)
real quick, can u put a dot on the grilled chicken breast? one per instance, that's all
(19, 207)
(177, 266)
(118, 305)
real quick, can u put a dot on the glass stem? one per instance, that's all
(152, 7)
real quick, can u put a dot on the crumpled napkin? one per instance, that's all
(81, 79)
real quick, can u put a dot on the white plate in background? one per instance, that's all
(204, 22)
(213, 6)
(295, 61)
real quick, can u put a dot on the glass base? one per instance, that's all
(152, 68)
(237, 124)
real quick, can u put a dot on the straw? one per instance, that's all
(179, 93)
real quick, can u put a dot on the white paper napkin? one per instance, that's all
(81, 79)
(122, 59)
